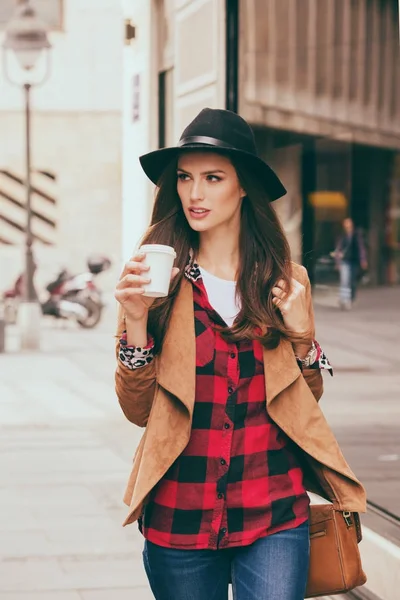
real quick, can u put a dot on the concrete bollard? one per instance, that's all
(29, 322)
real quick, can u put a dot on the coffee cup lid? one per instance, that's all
(158, 248)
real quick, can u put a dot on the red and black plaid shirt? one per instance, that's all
(239, 478)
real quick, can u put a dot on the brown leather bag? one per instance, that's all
(335, 562)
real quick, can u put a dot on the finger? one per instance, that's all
(277, 301)
(283, 305)
(127, 294)
(174, 273)
(139, 256)
(278, 292)
(282, 284)
(134, 266)
(135, 280)
(132, 281)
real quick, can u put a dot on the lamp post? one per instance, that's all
(26, 39)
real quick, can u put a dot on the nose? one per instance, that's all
(196, 190)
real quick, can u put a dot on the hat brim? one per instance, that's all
(154, 164)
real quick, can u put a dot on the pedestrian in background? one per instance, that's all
(225, 374)
(351, 260)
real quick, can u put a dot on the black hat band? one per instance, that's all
(202, 139)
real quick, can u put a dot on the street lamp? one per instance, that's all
(26, 39)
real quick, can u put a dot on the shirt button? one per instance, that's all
(233, 355)
(222, 461)
(226, 425)
(220, 496)
(223, 531)
(230, 390)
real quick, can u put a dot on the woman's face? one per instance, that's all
(209, 189)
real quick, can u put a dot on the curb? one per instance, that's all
(381, 562)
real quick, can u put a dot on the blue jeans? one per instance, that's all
(272, 568)
(348, 281)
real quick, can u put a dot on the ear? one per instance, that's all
(242, 193)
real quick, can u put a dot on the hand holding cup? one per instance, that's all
(133, 285)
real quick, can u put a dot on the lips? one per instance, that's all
(198, 213)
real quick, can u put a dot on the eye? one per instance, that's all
(213, 178)
(183, 176)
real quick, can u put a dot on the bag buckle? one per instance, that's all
(347, 518)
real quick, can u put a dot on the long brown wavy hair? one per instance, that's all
(264, 259)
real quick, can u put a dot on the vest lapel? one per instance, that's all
(176, 370)
(280, 368)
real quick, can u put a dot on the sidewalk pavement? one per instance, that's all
(361, 400)
(66, 449)
(65, 455)
(365, 337)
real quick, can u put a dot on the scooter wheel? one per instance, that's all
(94, 314)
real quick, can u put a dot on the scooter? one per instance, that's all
(72, 297)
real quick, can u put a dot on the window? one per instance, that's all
(50, 11)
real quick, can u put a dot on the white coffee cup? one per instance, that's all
(160, 259)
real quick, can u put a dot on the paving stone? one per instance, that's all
(32, 576)
(105, 572)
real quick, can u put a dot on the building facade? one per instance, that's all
(318, 80)
(76, 144)
(173, 67)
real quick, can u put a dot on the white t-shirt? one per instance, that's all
(221, 295)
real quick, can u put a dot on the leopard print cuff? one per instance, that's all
(134, 357)
(321, 361)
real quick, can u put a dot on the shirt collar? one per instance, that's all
(192, 270)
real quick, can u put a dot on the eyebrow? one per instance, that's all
(204, 172)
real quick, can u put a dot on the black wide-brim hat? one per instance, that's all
(219, 131)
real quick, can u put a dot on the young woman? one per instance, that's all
(224, 374)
